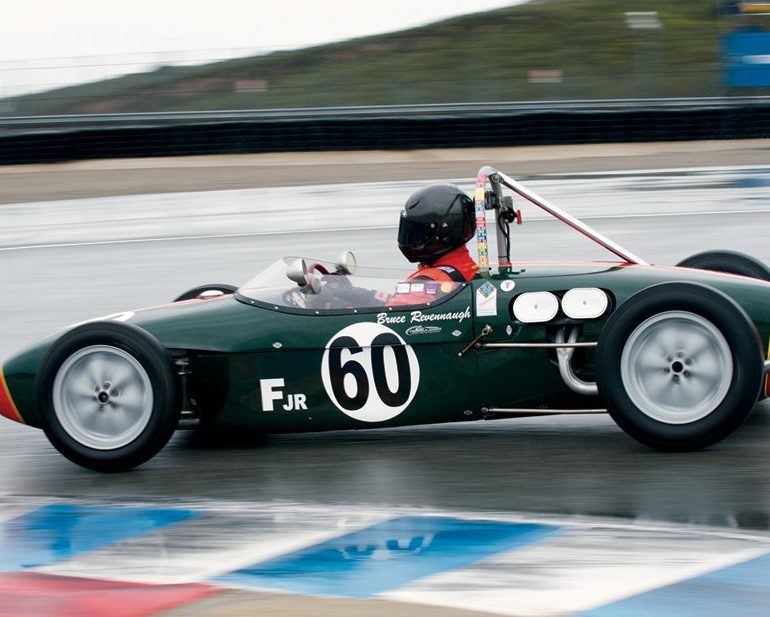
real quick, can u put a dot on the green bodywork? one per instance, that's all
(233, 347)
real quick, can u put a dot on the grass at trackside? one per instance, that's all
(479, 57)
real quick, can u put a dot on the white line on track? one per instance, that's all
(201, 237)
(596, 217)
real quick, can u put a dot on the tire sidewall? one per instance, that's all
(729, 262)
(745, 349)
(158, 365)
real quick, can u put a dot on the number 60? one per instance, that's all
(369, 372)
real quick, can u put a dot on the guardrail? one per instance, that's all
(379, 111)
(59, 138)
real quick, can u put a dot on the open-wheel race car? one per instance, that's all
(676, 355)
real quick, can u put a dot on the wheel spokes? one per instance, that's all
(103, 397)
(676, 367)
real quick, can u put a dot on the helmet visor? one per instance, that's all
(415, 234)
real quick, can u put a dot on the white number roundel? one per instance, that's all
(369, 372)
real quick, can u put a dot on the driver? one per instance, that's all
(435, 224)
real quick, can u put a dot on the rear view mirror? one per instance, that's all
(346, 263)
(297, 272)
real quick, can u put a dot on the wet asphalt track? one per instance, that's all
(59, 265)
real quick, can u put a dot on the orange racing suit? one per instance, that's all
(456, 266)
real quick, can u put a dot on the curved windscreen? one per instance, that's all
(323, 287)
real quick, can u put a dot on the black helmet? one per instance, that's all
(434, 221)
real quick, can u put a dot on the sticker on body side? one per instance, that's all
(423, 330)
(272, 391)
(486, 300)
(369, 372)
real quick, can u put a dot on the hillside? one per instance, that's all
(546, 49)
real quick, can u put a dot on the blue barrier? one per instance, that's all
(747, 57)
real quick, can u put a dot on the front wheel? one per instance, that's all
(679, 366)
(107, 396)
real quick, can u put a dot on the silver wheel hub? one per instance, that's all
(102, 397)
(676, 367)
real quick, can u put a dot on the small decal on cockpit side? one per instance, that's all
(486, 300)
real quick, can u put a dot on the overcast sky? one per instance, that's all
(50, 42)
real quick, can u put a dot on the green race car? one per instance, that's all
(676, 355)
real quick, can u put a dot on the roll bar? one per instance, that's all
(497, 180)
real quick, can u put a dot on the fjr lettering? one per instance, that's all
(271, 391)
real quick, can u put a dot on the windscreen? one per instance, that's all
(326, 288)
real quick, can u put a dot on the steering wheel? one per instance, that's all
(331, 295)
(316, 267)
(333, 281)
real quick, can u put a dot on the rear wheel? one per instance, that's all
(107, 394)
(729, 262)
(679, 366)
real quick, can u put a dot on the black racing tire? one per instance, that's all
(729, 262)
(193, 293)
(654, 384)
(101, 368)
